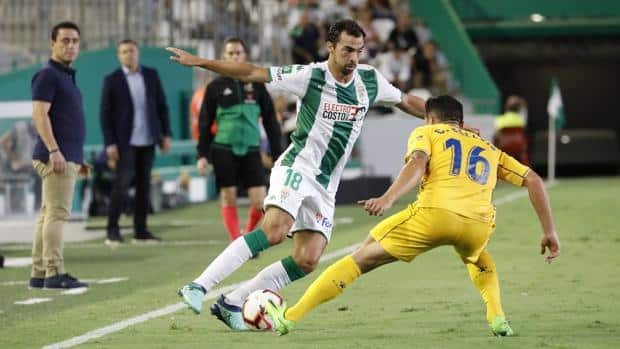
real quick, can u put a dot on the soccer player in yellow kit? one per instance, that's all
(459, 171)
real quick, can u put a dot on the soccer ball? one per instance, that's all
(253, 309)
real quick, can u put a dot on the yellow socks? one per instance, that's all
(484, 276)
(329, 285)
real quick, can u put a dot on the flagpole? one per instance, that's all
(551, 150)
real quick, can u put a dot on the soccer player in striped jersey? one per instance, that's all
(335, 97)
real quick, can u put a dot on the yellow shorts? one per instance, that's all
(415, 230)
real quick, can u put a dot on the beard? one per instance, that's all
(348, 69)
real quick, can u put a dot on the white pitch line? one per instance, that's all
(343, 220)
(31, 301)
(111, 280)
(519, 194)
(22, 247)
(100, 332)
(74, 291)
(93, 281)
(16, 262)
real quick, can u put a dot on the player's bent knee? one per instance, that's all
(306, 263)
(258, 205)
(276, 226)
(371, 256)
(365, 264)
(275, 232)
(274, 236)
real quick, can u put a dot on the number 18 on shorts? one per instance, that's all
(305, 199)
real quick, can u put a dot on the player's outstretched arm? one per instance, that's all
(237, 70)
(413, 105)
(409, 176)
(540, 200)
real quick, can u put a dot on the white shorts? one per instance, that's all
(301, 196)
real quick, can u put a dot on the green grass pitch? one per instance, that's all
(430, 303)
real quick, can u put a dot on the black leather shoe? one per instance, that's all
(63, 281)
(145, 237)
(113, 239)
(36, 283)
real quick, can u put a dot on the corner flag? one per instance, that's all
(555, 107)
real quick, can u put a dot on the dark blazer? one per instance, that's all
(116, 110)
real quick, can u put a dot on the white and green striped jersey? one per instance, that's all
(330, 116)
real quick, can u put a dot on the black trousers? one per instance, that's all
(134, 162)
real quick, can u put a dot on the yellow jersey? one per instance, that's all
(462, 170)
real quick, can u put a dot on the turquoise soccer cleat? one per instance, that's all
(500, 327)
(228, 314)
(279, 322)
(193, 295)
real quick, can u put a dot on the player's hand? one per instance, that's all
(376, 206)
(165, 145)
(84, 170)
(552, 243)
(111, 152)
(59, 164)
(183, 57)
(202, 165)
(266, 160)
(17, 165)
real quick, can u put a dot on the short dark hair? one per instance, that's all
(348, 26)
(514, 104)
(64, 25)
(235, 40)
(127, 41)
(446, 108)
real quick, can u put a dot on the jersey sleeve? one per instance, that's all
(44, 86)
(418, 141)
(511, 170)
(387, 94)
(290, 78)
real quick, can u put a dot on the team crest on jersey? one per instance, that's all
(287, 70)
(343, 112)
(362, 95)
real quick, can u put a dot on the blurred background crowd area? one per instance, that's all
(481, 51)
(279, 32)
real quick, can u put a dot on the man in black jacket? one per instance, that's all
(134, 117)
(236, 107)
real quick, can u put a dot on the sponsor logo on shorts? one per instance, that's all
(323, 221)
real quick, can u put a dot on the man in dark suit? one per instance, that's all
(134, 118)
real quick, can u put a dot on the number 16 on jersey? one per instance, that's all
(473, 159)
